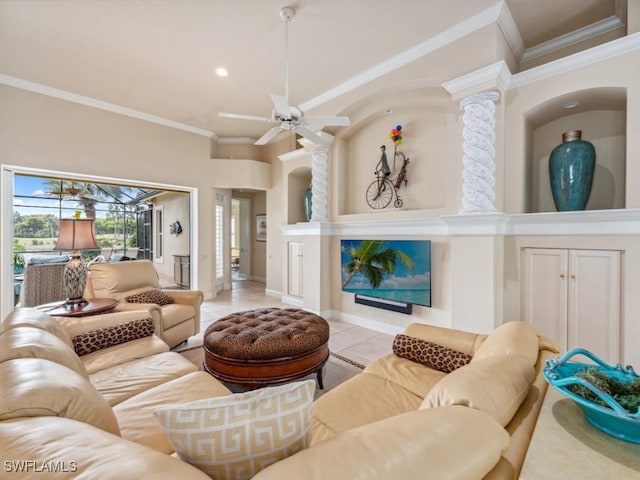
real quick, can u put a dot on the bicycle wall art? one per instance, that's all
(385, 187)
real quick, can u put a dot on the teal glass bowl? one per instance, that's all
(613, 420)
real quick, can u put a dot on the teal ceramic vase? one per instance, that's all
(307, 204)
(571, 167)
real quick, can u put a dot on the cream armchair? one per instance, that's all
(173, 323)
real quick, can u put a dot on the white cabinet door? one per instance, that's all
(593, 314)
(544, 287)
(573, 296)
(296, 256)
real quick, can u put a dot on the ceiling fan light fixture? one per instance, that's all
(290, 118)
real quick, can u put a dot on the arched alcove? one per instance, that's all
(600, 114)
(298, 180)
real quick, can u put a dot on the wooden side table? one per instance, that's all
(92, 307)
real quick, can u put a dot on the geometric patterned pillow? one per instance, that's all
(430, 354)
(113, 335)
(235, 436)
(150, 296)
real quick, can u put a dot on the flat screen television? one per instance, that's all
(397, 270)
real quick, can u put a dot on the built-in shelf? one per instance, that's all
(587, 222)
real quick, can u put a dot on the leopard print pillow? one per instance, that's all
(150, 296)
(113, 335)
(430, 354)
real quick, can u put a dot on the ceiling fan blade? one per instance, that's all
(281, 105)
(309, 135)
(244, 117)
(267, 137)
(328, 121)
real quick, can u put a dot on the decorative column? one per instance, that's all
(478, 160)
(319, 184)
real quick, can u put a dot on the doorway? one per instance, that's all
(240, 239)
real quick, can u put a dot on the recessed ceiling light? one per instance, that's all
(222, 72)
(570, 105)
(388, 111)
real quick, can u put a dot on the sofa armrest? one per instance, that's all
(153, 310)
(78, 325)
(454, 442)
(465, 342)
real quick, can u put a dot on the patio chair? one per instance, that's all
(43, 283)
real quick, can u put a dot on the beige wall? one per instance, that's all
(41, 132)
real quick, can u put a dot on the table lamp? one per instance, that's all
(75, 234)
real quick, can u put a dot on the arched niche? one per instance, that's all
(298, 180)
(424, 114)
(600, 114)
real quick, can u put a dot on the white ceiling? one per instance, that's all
(158, 56)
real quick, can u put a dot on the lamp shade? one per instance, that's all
(76, 235)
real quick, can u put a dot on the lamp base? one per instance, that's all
(75, 279)
(72, 303)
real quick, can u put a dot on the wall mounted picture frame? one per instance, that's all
(261, 228)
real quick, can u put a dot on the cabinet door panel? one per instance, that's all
(296, 253)
(544, 288)
(594, 302)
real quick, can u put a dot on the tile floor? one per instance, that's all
(351, 341)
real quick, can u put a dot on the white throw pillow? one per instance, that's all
(236, 436)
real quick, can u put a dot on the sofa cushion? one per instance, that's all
(236, 436)
(136, 417)
(115, 280)
(29, 342)
(516, 337)
(362, 399)
(150, 296)
(497, 385)
(430, 354)
(450, 443)
(414, 377)
(100, 338)
(123, 381)
(34, 387)
(75, 450)
(123, 353)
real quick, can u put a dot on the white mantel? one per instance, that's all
(588, 222)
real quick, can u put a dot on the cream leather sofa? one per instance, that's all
(91, 416)
(174, 322)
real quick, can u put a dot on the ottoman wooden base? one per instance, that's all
(258, 373)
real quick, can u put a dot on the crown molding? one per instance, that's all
(99, 104)
(458, 31)
(568, 39)
(510, 31)
(585, 58)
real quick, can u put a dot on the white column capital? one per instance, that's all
(492, 96)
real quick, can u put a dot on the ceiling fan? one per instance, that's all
(290, 118)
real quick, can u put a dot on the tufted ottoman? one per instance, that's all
(266, 346)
